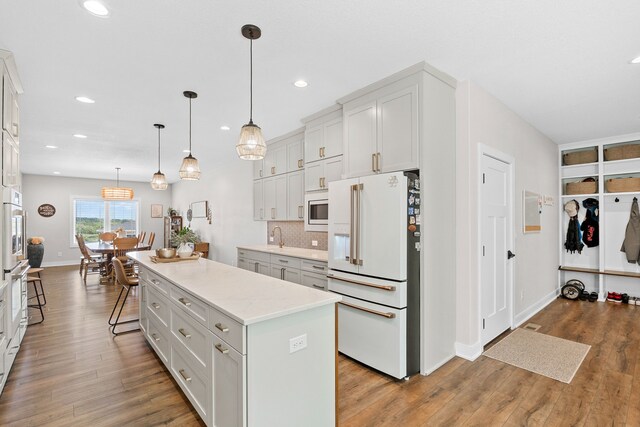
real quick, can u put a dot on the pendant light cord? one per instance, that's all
(190, 126)
(251, 81)
(158, 148)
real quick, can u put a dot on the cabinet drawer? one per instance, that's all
(254, 255)
(285, 261)
(196, 308)
(192, 335)
(158, 337)
(158, 305)
(229, 396)
(314, 280)
(314, 266)
(143, 306)
(192, 380)
(155, 280)
(228, 329)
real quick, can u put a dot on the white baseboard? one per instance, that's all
(532, 310)
(469, 352)
(60, 263)
(433, 368)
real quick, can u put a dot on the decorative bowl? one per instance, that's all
(166, 252)
(185, 254)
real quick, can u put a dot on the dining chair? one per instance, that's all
(95, 265)
(83, 247)
(121, 246)
(127, 282)
(152, 238)
(107, 236)
(141, 237)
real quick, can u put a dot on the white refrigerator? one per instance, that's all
(374, 263)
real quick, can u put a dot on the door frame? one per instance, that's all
(510, 161)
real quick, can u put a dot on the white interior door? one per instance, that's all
(382, 236)
(495, 286)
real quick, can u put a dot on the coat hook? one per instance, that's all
(616, 200)
(635, 199)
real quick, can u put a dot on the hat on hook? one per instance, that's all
(571, 208)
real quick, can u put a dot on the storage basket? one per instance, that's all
(621, 185)
(589, 187)
(621, 152)
(578, 157)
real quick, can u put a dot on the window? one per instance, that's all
(94, 216)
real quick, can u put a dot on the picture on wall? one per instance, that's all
(156, 211)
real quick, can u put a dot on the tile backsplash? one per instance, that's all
(293, 235)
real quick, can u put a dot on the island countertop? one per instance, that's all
(312, 254)
(245, 296)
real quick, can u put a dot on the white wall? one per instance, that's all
(482, 119)
(58, 191)
(228, 187)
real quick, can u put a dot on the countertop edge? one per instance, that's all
(260, 248)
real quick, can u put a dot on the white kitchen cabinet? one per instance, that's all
(10, 109)
(295, 154)
(229, 400)
(275, 197)
(286, 273)
(381, 131)
(275, 162)
(258, 169)
(323, 134)
(295, 195)
(314, 280)
(318, 175)
(258, 200)
(10, 161)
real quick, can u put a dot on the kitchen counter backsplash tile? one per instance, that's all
(294, 235)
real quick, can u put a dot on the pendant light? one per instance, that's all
(117, 192)
(190, 170)
(159, 182)
(251, 145)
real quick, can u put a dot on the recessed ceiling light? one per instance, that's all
(186, 151)
(56, 173)
(79, 135)
(85, 100)
(50, 146)
(635, 60)
(300, 83)
(224, 127)
(96, 8)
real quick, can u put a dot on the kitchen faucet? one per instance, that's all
(273, 232)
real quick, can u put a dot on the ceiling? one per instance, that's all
(562, 66)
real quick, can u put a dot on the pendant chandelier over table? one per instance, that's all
(117, 192)
(190, 170)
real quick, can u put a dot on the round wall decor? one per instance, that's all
(46, 210)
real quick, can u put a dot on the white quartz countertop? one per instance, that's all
(312, 254)
(245, 296)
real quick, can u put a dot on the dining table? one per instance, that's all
(106, 248)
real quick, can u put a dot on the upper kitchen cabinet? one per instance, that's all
(10, 161)
(274, 195)
(318, 175)
(275, 162)
(258, 169)
(284, 154)
(295, 153)
(11, 87)
(382, 122)
(323, 134)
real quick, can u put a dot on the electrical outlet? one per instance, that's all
(59, 253)
(271, 238)
(297, 343)
(314, 243)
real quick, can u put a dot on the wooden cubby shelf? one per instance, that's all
(596, 271)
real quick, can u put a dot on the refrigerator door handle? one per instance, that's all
(352, 237)
(368, 310)
(359, 188)
(355, 282)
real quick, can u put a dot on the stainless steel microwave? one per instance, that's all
(316, 211)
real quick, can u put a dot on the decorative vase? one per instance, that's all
(185, 250)
(35, 254)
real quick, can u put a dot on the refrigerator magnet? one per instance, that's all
(412, 220)
(411, 211)
(412, 199)
(417, 219)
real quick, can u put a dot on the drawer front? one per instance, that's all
(314, 266)
(314, 280)
(254, 255)
(196, 308)
(3, 331)
(228, 329)
(285, 261)
(157, 306)
(229, 397)
(159, 338)
(245, 264)
(143, 306)
(385, 292)
(192, 381)
(12, 351)
(153, 279)
(193, 336)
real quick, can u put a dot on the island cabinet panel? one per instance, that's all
(229, 397)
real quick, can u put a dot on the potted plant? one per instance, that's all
(185, 239)
(35, 251)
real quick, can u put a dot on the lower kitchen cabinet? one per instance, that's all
(229, 400)
(311, 273)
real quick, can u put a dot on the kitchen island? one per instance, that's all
(246, 349)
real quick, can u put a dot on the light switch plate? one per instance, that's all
(271, 238)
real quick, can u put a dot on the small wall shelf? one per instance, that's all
(596, 271)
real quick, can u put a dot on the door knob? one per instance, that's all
(510, 255)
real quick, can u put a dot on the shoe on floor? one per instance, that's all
(625, 298)
(614, 297)
(593, 297)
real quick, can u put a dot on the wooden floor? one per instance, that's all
(70, 371)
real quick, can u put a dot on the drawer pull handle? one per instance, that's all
(185, 302)
(184, 375)
(317, 267)
(317, 286)
(283, 260)
(221, 349)
(355, 282)
(16, 348)
(368, 310)
(155, 305)
(155, 282)
(184, 334)
(222, 327)
(155, 337)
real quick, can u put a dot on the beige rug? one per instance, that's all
(552, 357)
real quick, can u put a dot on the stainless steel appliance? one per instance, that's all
(374, 263)
(316, 211)
(13, 232)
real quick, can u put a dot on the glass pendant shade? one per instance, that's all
(190, 170)
(117, 192)
(251, 145)
(159, 182)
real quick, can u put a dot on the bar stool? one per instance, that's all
(37, 293)
(126, 282)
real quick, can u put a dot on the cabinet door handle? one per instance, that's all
(155, 305)
(273, 213)
(282, 273)
(300, 212)
(273, 170)
(378, 162)
(261, 213)
(155, 337)
(184, 375)
(260, 173)
(320, 152)
(185, 302)
(300, 164)
(317, 286)
(255, 267)
(221, 349)
(221, 327)
(373, 162)
(155, 282)
(283, 260)
(320, 182)
(318, 267)
(184, 333)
